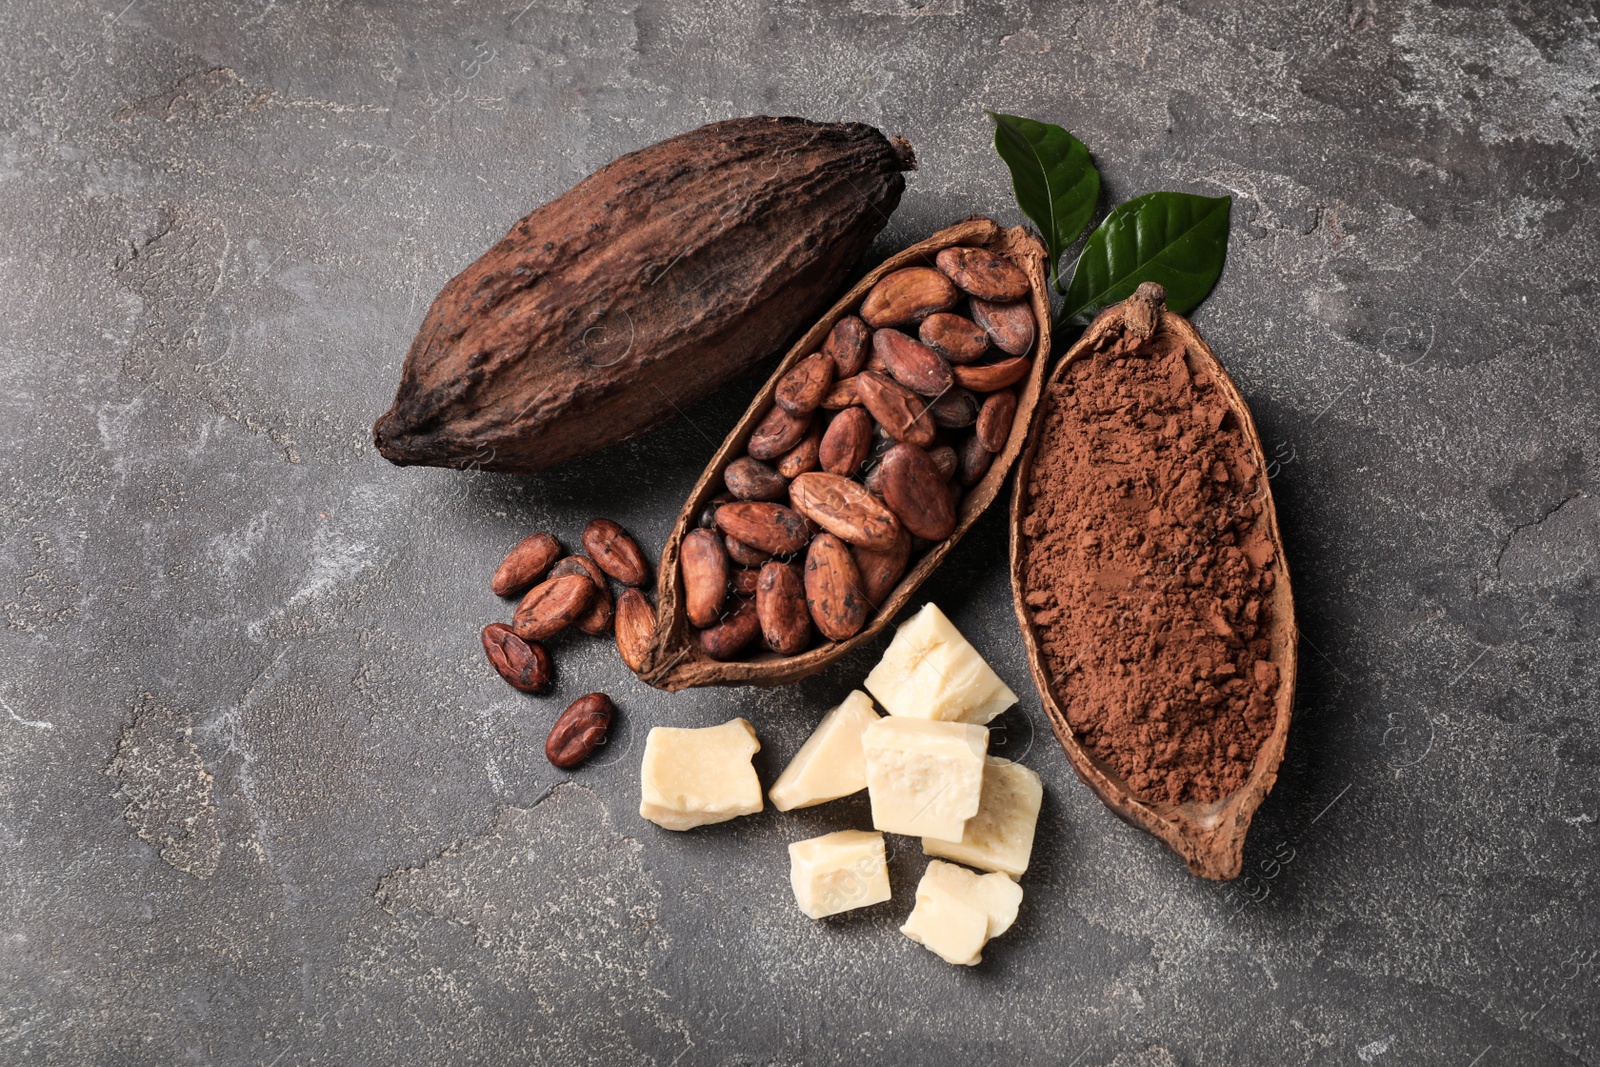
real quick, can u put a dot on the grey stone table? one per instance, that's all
(261, 801)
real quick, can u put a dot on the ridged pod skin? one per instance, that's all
(650, 283)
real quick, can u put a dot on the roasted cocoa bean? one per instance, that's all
(987, 377)
(956, 338)
(902, 413)
(914, 491)
(955, 410)
(552, 606)
(907, 295)
(751, 479)
(730, 637)
(802, 389)
(841, 396)
(609, 545)
(984, 274)
(833, 588)
(745, 555)
(1010, 326)
(844, 509)
(523, 664)
(945, 458)
(597, 618)
(911, 363)
(975, 460)
(707, 519)
(705, 576)
(994, 421)
(579, 730)
(772, 528)
(742, 582)
(777, 433)
(635, 627)
(847, 442)
(803, 456)
(525, 564)
(781, 607)
(882, 570)
(847, 346)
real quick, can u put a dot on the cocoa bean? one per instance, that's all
(803, 456)
(911, 363)
(743, 554)
(987, 377)
(705, 576)
(847, 346)
(743, 581)
(552, 606)
(707, 519)
(984, 274)
(802, 389)
(1009, 326)
(579, 730)
(777, 433)
(596, 620)
(772, 528)
(524, 664)
(914, 491)
(881, 570)
(945, 458)
(847, 442)
(609, 545)
(844, 509)
(956, 338)
(994, 421)
(841, 396)
(730, 637)
(635, 627)
(975, 460)
(751, 479)
(907, 295)
(833, 588)
(525, 564)
(902, 413)
(956, 410)
(781, 608)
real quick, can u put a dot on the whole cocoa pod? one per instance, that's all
(591, 321)
(524, 664)
(525, 564)
(579, 730)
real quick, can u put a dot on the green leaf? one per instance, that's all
(1177, 239)
(1055, 183)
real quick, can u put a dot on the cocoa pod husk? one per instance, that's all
(912, 363)
(987, 377)
(847, 442)
(983, 274)
(843, 508)
(705, 576)
(552, 606)
(847, 346)
(781, 608)
(579, 730)
(635, 625)
(525, 665)
(772, 528)
(833, 588)
(597, 618)
(525, 564)
(751, 479)
(591, 321)
(732, 635)
(802, 389)
(994, 420)
(915, 492)
(956, 338)
(1010, 326)
(906, 296)
(618, 554)
(902, 413)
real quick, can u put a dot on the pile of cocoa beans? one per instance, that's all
(560, 591)
(863, 459)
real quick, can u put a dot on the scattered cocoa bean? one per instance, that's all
(777, 433)
(579, 730)
(525, 564)
(833, 588)
(803, 456)
(609, 545)
(781, 608)
(847, 442)
(802, 389)
(524, 664)
(705, 576)
(957, 338)
(751, 479)
(847, 346)
(987, 377)
(552, 606)
(911, 363)
(635, 627)
(984, 274)
(597, 618)
(844, 509)
(772, 528)
(975, 460)
(994, 421)
(728, 638)
(914, 491)
(902, 413)
(907, 295)
(1009, 326)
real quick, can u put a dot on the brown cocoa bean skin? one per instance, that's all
(635, 627)
(902, 413)
(751, 479)
(947, 460)
(841, 396)
(803, 456)
(847, 346)
(781, 608)
(1010, 326)
(704, 562)
(597, 619)
(987, 377)
(729, 638)
(525, 665)
(743, 554)
(908, 295)
(882, 570)
(552, 606)
(742, 582)
(847, 442)
(994, 421)
(956, 410)
(833, 588)
(912, 363)
(803, 387)
(984, 274)
(579, 730)
(772, 528)
(777, 433)
(975, 460)
(915, 492)
(707, 519)
(957, 338)
(525, 564)
(843, 508)
(609, 545)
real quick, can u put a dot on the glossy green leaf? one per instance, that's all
(1177, 239)
(1055, 182)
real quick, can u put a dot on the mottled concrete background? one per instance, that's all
(261, 801)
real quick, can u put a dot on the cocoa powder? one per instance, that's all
(1146, 571)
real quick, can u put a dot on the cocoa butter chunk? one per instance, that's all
(839, 872)
(1000, 836)
(831, 763)
(692, 777)
(957, 912)
(924, 778)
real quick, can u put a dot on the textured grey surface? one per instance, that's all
(261, 801)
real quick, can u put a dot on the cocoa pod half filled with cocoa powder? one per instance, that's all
(650, 283)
